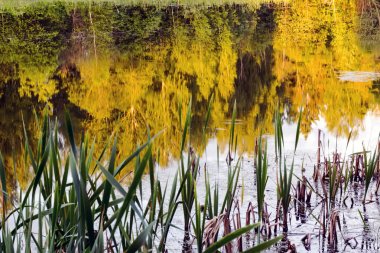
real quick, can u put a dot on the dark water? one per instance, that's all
(120, 69)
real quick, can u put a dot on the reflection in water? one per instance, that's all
(312, 45)
(122, 69)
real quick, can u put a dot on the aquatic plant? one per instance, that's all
(261, 176)
(70, 185)
(284, 180)
(75, 201)
(334, 180)
(370, 165)
(334, 222)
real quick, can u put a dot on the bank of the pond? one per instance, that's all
(21, 5)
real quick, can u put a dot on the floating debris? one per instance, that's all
(358, 76)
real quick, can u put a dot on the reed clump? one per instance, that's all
(75, 202)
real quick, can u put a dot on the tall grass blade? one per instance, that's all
(132, 189)
(70, 132)
(3, 182)
(264, 245)
(298, 130)
(228, 238)
(141, 239)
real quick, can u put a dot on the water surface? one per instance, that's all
(120, 69)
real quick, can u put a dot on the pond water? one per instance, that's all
(122, 68)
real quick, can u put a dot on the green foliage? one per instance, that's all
(284, 177)
(370, 165)
(261, 176)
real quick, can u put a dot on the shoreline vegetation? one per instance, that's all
(76, 203)
(20, 4)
